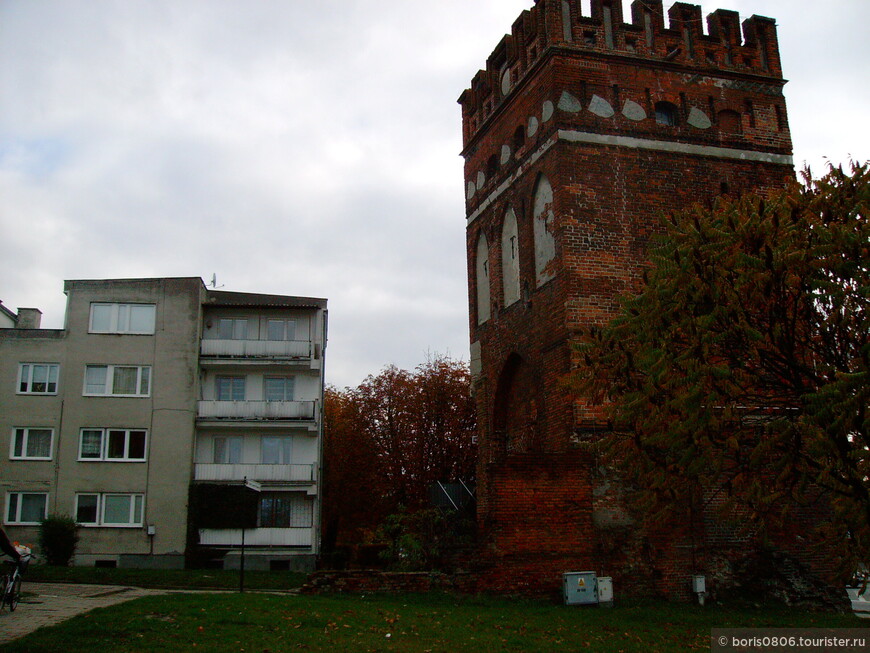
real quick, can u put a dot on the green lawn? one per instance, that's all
(167, 578)
(430, 622)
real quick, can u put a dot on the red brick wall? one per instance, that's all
(538, 523)
(613, 176)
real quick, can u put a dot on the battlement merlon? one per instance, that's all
(550, 23)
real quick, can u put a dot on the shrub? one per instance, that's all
(415, 540)
(58, 536)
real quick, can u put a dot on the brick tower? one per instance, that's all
(579, 134)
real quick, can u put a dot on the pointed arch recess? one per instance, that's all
(510, 258)
(545, 243)
(482, 279)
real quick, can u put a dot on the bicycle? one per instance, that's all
(11, 583)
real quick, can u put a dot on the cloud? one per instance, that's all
(293, 147)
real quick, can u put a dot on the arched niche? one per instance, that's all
(510, 258)
(515, 412)
(482, 279)
(545, 242)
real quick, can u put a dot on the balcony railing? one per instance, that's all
(257, 537)
(256, 348)
(239, 472)
(243, 410)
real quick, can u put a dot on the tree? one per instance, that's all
(740, 370)
(353, 483)
(390, 438)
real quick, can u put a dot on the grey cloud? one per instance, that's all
(294, 147)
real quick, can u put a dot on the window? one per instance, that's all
(729, 121)
(285, 510)
(87, 508)
(119, 510)
(26, 507)
(38, 378)
(31, 444)
(281, 329)
(230, 388)
(276, 450)
(519, 137)
(491, 166)
(121, 445)
(123, 318)
(232, 329)
(666, 114)
(279, 388)
(227, 450)
(117, 380)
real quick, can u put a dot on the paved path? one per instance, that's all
(46, 604)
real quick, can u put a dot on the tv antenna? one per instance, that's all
(213, 283)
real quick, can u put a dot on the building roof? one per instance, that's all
(227, 298)
(5, 311)
(215, 297)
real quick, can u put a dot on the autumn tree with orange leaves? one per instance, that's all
(390, 438)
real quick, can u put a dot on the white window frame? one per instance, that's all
(285, 379)
(228, 441)
(233, 379)
(288, 329)
(25, 431)
(236, 322)
(142, 378)
(284, 449)
(104, 445)
(101, 522)
(25, 378)
(16, 520)
(120, 319)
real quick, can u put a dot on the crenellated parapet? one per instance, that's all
(678, 42)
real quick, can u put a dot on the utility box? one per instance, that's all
(699, 584)
(581, 587)
(605, 592)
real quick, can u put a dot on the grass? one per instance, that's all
(167, 578)
(410, 623)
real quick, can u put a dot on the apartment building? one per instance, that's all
(175, 423)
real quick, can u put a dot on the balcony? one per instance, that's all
(258, 349)
(257, 537)
(256, 410)
(239, 472)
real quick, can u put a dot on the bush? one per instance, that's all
(58, 536)
(415, 540)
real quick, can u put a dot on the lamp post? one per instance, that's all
(256, 487)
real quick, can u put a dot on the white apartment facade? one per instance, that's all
(164, 417)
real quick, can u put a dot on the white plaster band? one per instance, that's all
(503, 186)
(669, 146)
(633, 143)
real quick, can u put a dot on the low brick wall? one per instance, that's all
(360, 581)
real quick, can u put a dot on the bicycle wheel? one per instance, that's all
(14, 594)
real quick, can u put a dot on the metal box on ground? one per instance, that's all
(581, 587)
(605, 591)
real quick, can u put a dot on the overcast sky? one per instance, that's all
(299, 147)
